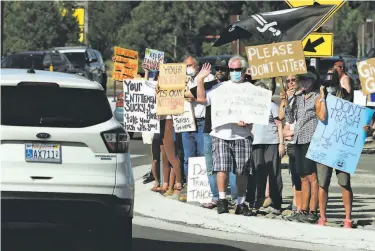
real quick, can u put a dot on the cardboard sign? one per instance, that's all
(277, 59)
(366, 71)
(125, 64)
(186, 121)
(232, 103)
(140, 106)
(198, 188)
(171, 81)
(338, 142)
(153, 59)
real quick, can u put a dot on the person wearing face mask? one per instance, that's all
(308, 107)
(221, 74)
(231, 143)
(334, 87)
(193, 141)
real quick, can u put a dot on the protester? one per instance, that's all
(291, 88)
(334, 87)
(344, 79)
(268, 149)
(222, 74)
(308, 107)
(231, 143)
(193, 141)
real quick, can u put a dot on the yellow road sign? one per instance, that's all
(299, 3)
(318, 45)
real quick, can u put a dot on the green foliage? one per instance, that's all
(37, 26)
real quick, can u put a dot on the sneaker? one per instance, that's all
(313, 217)
(271, 210)
(348, 223)
(222, 206)
(232, 202)
(303, 216)
(322, 221)
(243, 209)
(294, 217)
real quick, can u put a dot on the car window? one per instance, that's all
(99, 57)
(23, 61)
(78, 59)
(92, 54)
(86, 107)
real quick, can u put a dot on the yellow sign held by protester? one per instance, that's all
(366, 71)
(276, 60)
(318, 45)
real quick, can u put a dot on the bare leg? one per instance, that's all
(347, 197)
(222, 181)
(155, 171)
(323, 197)
(166, 169)
(314, 192)
(171, 153)
(305, 192)
(172, 178)
(268, 187)
(298, 198)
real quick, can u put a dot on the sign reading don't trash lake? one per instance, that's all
(276, 60)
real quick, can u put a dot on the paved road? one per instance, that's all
(144, 239)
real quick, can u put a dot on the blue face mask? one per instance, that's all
(235, 76)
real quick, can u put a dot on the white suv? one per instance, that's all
(64, 157)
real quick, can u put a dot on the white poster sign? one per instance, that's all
(198, 188)
(359, 98)
(186, 121)
(140, 106)
(231, 103)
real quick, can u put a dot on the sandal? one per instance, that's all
(177, 189)
(168, 193)
(348, 223)
(156, 189)
(210, 205)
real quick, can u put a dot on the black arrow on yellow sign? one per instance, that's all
(310, 46)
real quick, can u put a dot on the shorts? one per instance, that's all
(232, 155)
(304, 166)
(325, 174)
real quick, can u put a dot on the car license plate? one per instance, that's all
(47, 153)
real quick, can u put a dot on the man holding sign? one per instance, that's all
(231, 142)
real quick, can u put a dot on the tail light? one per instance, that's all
(116, 140)
(120, 100)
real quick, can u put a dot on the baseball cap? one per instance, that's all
(221, 62)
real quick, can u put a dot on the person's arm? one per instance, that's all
(147, 73)
(281, 137)
(320, 105)
(283, 104)
(201, 93)
(346, 83)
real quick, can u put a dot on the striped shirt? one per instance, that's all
(303, 112)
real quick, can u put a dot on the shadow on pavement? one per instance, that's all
(140, 244)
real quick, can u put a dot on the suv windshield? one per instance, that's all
(78, 59)
(52, 106)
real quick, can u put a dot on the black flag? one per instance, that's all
(277, 26)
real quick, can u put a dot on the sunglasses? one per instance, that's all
(218, 68)
(291, 80)
(235, 69)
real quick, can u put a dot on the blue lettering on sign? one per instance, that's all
(341, 135)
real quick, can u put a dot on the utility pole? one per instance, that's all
(86, 27)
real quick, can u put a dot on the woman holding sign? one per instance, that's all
(308, 107)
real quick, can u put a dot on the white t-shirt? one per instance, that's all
(267, 134)
(199, 109)
(230, 131)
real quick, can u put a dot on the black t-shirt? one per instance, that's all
(207, 121)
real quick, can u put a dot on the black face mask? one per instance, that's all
(332, 82)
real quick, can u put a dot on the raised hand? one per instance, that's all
(205, 71)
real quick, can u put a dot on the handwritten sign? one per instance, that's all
(366, 70)
(125, 64)
(277, 59)
(152, 60)
(186, 121)
(170, 96)
(140, 106)
(338, 142)
(198, 188)
(234, 102)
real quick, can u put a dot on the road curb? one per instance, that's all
(154, 205)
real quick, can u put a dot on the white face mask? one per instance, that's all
(190, 71)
